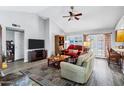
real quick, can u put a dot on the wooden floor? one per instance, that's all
(106, 75)
(103, 75)
(20, 65)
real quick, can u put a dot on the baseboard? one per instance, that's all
(20, 59)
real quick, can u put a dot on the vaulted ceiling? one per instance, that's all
(93, 18)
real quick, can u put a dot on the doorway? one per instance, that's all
(14, 45)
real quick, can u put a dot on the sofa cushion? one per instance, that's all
(71, 47)
(89, 54)
(81, 59)
(78, 47)
(84, 64)
(72, 54)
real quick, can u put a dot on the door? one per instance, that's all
(98, 44)
(0, 47)
(19, 45)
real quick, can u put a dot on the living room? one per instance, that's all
(63, 33)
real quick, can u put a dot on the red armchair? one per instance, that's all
(74, 50)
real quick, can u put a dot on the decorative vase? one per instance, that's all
(4, 65)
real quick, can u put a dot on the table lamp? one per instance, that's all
(86, 44)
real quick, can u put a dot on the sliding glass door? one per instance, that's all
(98, 44)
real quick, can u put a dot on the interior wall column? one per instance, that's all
(0, 47)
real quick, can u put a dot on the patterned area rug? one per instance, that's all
(103, 75)
(47, 76)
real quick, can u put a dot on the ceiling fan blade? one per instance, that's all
(71, 14)
(79, 14)
(76, 18)
(66, 16)
(69, 19)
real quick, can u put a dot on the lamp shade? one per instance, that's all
(86, 44)
(119, 35)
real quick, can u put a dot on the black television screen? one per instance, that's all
(35, 44)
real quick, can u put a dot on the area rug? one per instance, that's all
(47, 76)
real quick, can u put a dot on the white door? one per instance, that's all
(100, 45)
(19, 45)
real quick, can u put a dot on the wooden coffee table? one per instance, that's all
(56, 60)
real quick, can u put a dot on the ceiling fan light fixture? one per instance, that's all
(73, 15)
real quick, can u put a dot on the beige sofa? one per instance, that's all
(79, 72)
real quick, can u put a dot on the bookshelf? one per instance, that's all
(59, 44)
(10, 51)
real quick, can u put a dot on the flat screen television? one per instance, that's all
(35, 44)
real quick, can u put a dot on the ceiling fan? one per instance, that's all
(73, 15)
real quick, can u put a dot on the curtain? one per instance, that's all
(107, 43)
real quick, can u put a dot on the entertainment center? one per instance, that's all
(36, 50)
(35, 55)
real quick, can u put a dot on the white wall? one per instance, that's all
(10, 35)
(34, 28)
(18, 38)
(32, 24)
(47, 36)
(120, 24)
(52, 29)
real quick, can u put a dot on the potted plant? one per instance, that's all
(3, 58)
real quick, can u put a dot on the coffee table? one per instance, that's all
(56, 60)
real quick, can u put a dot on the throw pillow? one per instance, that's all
(70, 50)
(75, 51)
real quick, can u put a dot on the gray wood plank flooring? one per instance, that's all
(103, 75)
(106, 75)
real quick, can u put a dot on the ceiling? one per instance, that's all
(26, 9)
(93, 18)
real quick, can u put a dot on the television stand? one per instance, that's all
(35, 55)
